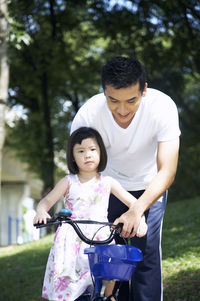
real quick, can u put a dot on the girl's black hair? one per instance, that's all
(76, 138)
(122, 72)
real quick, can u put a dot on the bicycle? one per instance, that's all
(106, 262)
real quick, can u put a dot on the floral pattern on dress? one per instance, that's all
(67, 272)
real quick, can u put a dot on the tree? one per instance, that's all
(4, 76)
(47, 74)
(60, 68)
(165, 36)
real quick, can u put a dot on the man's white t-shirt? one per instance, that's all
(132, 151)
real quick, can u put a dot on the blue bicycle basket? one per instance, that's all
(113, 261)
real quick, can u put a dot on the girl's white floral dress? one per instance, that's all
(67, 272)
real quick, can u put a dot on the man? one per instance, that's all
(141, 133)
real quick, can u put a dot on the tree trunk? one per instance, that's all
(4, 77)
(48, 158)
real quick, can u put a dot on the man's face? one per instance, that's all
(124, 102)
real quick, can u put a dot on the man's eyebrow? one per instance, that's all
(134, 97)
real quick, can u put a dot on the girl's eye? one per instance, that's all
(93, 149)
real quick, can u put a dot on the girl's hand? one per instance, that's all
(142, 229)
(41, 217)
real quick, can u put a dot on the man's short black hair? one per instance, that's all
(76, 138)
(122, 72)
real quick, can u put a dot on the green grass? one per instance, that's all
(181, 251)
(22, 267)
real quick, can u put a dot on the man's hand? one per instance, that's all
(131, 220)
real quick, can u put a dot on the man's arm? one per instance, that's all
(167, 159)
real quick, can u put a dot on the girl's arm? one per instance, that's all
(50, 200)
(124, 196)
(128, 199)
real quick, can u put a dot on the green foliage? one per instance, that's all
(23, 267)
(56, 52)
(47, 74)
(188, 176)
(165, 37)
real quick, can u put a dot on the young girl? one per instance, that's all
(86, 192)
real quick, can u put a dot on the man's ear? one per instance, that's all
(145, 89)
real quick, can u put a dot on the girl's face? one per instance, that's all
(87, 155)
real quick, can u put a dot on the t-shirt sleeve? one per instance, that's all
(78, 121)
(168, 122)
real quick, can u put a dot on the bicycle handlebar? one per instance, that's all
(64, 217)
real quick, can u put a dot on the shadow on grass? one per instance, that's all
(184, 286)
(22, 274)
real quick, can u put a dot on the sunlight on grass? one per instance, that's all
(41, 244)
(188, 262)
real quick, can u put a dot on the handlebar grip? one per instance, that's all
(119, 227)
(62, 215)
(50, 221)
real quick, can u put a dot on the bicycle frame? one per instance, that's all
(105, 261)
